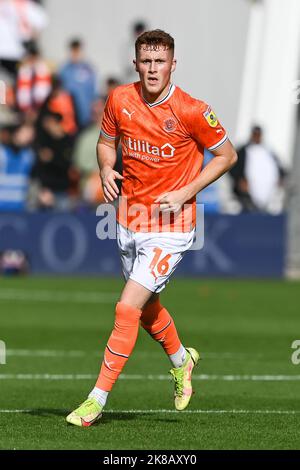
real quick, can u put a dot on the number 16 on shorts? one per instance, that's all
(159, 265)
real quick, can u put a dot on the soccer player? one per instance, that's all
(163, 132)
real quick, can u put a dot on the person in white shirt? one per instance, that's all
(20, 22)
(258, 175)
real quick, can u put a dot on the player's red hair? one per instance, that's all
(155, 39)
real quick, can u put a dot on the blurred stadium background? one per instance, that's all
(58, 62)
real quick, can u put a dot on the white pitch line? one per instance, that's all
(229, 378)
(44, 353)
(77, 353)
(279, 412)
(58, 296)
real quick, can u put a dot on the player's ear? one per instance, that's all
(134, 63)
(174, 63)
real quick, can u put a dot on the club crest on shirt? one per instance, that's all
(170, 124)
(210, 117)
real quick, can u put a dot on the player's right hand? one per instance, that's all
(110, 189)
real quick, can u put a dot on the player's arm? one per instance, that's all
(224, 158)
(107, 157)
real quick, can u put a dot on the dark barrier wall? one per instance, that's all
(245, 245)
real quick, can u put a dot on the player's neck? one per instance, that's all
(155, 97)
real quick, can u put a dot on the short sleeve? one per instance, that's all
(205, 127)
(109, 126)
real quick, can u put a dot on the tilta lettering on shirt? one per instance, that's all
(166, 150)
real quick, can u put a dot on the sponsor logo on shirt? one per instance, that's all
(137, 147)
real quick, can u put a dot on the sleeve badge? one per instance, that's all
(210, 117)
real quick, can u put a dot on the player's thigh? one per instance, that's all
(157, 258)
(127, 250)
(135, 294)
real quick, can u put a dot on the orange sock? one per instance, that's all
(119, 345)
(160, 325)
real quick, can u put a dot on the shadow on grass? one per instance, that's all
(106, 417)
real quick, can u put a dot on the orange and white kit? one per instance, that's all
(162, 150)
(151, 258)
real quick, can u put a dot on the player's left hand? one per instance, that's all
(171, 201)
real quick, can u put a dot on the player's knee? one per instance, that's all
(126, 315)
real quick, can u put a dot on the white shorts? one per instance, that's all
(151, 258)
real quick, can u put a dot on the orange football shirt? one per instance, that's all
(162, 150)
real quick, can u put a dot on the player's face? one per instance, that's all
(155, 68)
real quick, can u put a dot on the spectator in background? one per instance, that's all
(84, 155)
(7, 97)
(34, 82)
(79, 79)
(85, 161)
(258, 176)
(110, 84)
(51, 172)
(16, 161)
(128, 53)
(33, 19)
(61, 102)
(20, 21)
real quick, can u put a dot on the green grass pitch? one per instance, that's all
(247, 391)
